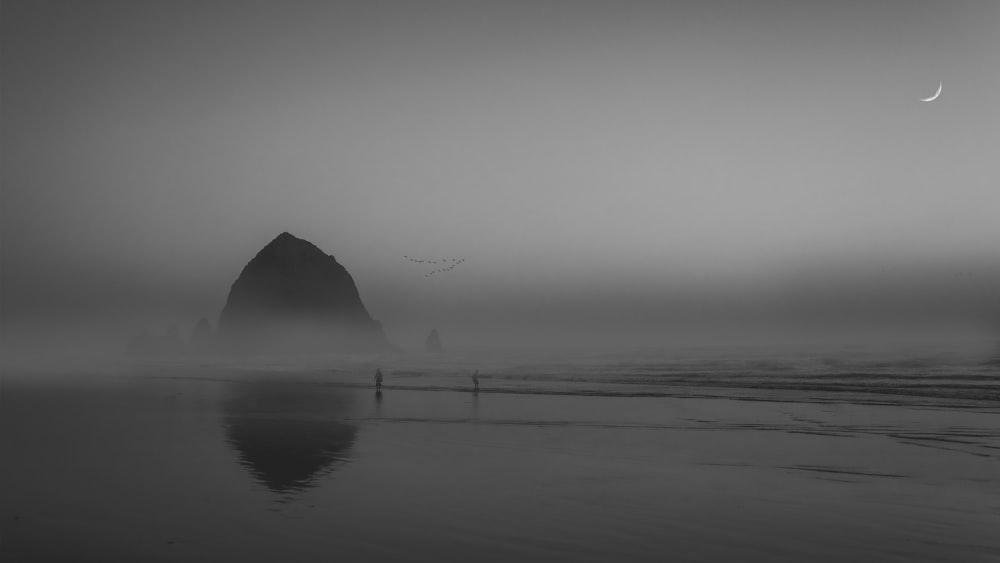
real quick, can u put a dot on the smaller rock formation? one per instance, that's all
(201, 336)
(167, 344)
(140, 345)
(172, 342)
(433, 343)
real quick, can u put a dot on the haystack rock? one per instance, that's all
(292, 297)
(433, 343)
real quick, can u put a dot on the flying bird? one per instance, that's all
(447, 264)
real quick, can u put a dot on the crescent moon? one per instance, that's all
(936, 94)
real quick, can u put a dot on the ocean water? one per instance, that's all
(693, 455)
(896, 375)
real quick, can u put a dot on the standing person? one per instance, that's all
(475, 379)
(378, 380)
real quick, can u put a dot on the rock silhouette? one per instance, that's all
(433, 343)
(293, 297)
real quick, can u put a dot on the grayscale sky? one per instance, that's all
(617, 165)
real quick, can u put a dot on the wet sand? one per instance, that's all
(205, 464)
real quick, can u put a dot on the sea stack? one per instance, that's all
(433, 343)
(201, 336)
(292, 298)
(169, 343)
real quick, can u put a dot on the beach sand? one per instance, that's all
(198, 462)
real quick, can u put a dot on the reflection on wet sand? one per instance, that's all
(288, 435)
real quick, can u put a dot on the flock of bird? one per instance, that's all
(447, 264)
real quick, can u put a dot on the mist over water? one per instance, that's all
(606, 173)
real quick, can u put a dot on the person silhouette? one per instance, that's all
(475, 379)
(378, 380)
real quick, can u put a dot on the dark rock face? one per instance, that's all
(433, 343)
(292, 297)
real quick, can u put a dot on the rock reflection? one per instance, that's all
(288, 435)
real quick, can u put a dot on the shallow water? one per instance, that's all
(550, 461)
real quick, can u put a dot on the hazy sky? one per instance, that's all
(618, 163)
